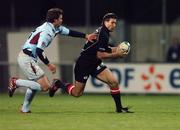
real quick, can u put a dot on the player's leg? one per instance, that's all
(81, 75)
(41, 84)
(107, 77)
(44, 82)
(37, 81)
(75, 89)
(27, 100)
(32, 86)
(32, 72)
(30, 92)
(82, 70)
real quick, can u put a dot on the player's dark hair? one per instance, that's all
(53, 13)
(109, 16)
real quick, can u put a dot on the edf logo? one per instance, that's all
(152, 77)
(174, 78)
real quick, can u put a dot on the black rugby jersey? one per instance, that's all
(101, 44)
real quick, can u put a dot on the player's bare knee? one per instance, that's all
(77, 94)
(45, 88)
(114, 84)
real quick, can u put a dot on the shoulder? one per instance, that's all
(43, 27)
(98, 29)
(47, 29)
(102, 32)
(63, 30)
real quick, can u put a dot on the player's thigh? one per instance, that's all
(82, 71)
(30, 68)
(107, 76)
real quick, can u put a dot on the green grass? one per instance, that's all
(91, 112)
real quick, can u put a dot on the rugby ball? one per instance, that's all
(124, 46)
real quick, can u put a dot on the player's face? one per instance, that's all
(59, 21)
(111, 24)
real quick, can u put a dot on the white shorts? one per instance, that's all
(29, 67)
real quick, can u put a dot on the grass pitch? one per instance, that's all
(91, 112)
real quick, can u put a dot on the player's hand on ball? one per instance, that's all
(123, 49)
(121, 52)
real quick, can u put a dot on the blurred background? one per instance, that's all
(151, 26)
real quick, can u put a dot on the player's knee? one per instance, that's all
(77, 94)
(45, 88)
(114, 84)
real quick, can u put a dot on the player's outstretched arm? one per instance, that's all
(113, 54)
(89, 37)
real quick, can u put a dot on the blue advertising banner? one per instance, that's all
(141, 78)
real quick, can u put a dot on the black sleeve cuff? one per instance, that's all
(42, 57)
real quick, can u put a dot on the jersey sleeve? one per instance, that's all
(44, 40)
(102, 42)
(63, 30)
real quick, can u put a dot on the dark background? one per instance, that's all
(32, 12)
(28, 13)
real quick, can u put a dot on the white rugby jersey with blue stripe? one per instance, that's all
(42, 37)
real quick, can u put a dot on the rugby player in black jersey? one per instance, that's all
(90, 63)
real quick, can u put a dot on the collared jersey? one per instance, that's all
(101, 44)
(42, 37)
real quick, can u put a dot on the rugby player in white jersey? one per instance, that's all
(33, 49)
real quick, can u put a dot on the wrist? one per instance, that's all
(49, 64)
(86, 36)
(115, 55)
(46, 62)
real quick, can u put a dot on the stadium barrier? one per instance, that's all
(136, 78)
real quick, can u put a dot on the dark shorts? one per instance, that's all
(87, 66)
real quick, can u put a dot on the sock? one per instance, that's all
(29, 84)
(69, 88)
(28, 99)
(115, 93)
